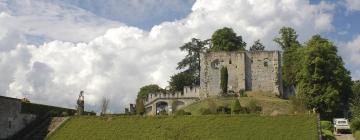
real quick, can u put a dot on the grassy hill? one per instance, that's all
(271, 105)
(249, 127)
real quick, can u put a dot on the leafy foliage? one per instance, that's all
(355, 102)
(253, 106)
(145, 90)
(257, 46)
(236, 107)
(287, 39)
(323, 81)
(179, 81)
(224, 79)
(192, 59)
(291, 57)
(225, 39)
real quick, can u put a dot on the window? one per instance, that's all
(230, 61)
(265, 64)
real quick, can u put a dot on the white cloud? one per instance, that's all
(48, 21)
(122, 60)
(351, 53)
(353, 5)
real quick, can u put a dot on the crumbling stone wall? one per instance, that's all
(255, 70)
(211, 64)
(11, 118)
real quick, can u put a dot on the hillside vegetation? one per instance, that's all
(249, 127)
(271, 105)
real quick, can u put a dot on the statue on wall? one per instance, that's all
(80, 103)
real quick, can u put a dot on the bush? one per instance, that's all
(181, 112)
(253, 106)
(298, 105)
(223, 110)
(327, 125)
(236, 107)
(327, 134)
(355, 124)
(205, 111)
(242, 93)
(224, 79)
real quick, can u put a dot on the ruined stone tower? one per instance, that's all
(247, 70)
(80, 103)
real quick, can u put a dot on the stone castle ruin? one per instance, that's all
(247, 71)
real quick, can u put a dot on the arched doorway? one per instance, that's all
(161, 107)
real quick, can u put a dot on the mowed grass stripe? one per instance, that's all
(247, 127)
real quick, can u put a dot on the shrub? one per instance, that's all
(355, 124)
(224, 79)
(254, 107)
(182, 112)
(236, 107)
(223, 110)
(212, 106)
(242, 93)
(327, 134)
(205, 111)
(298, 105)
(327, 125)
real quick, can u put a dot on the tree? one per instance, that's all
(104, 105)
(291, 57)
(145, 90)
(178, 81)
(287, 39)
(224, 79)
(225, 39)
(236, 107)
(323, 81)
(140, 107)
(192, 59)
(257, 46)
(355, 102)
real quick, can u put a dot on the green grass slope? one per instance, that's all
(270, 105)
(219, 127)
(357, 135)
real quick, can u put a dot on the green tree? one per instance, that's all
(236, 107)
(140, 107)
(355, 102)
(257, 46)
(145, 90)
(224, 79)
(192, 59)
(323, 81)
(178, 81)
(225, 39)
(291, 57)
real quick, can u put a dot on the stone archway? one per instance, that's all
(162, 107)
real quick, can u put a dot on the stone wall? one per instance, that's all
(11, 119)
(211, 64)
(266, 71)
(256, 70)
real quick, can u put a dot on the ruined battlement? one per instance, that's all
(247, 70)
(188, 92)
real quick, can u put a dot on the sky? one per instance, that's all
(50, 50)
